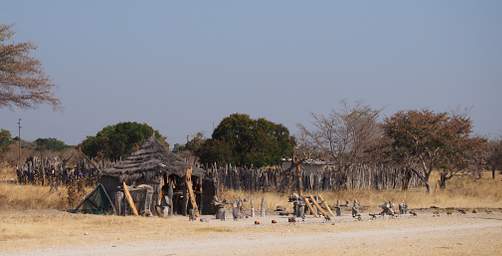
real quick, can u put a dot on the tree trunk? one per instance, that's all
(493, 173)
(442, 181)
(427, 187)
(406, 180)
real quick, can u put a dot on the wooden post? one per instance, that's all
(191, 194)
(129, 200)
(263, 207)
(298, 170)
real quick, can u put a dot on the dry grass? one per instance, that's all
(25, 197)
(460, 192)
(7, 173)
(22, 197)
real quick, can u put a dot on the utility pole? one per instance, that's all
(19, 142)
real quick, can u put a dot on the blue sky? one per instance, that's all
(182, 66)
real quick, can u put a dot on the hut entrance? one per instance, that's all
(176, 195)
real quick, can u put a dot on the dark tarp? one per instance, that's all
(97, 202)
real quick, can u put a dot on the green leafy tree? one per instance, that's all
(116, 141)
(51, 144)
(240, 140)
(5, 139)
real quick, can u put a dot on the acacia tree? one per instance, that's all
(463, 156)
(23, 83)
(425, 140)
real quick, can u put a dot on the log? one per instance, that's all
(129, 200)
(326, 205)
(320, 209)
(307, 202)
(191, 194)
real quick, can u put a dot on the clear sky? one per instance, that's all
(182, 66)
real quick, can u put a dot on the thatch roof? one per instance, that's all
(151, 160)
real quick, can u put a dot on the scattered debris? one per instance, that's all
(274, 222)
(387, 209)
(280, 208)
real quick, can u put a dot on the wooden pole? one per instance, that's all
(129, 200)
(321, 210)
(307, 202)
(327, 206)
(191, 194)
(298, 170)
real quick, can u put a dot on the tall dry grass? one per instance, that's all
(23, 197)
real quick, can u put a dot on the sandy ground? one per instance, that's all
(58, 233)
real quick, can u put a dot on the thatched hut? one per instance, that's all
(154, 165)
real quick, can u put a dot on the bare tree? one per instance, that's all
(344, 136)
(23, 83)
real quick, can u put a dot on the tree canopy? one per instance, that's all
(243, 141)
(23, 83)
(116, 141)
(5, 139)
(424, 140)
(51, 144)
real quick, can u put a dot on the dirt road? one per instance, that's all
(446, 235)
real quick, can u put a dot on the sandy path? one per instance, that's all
(479, 237)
